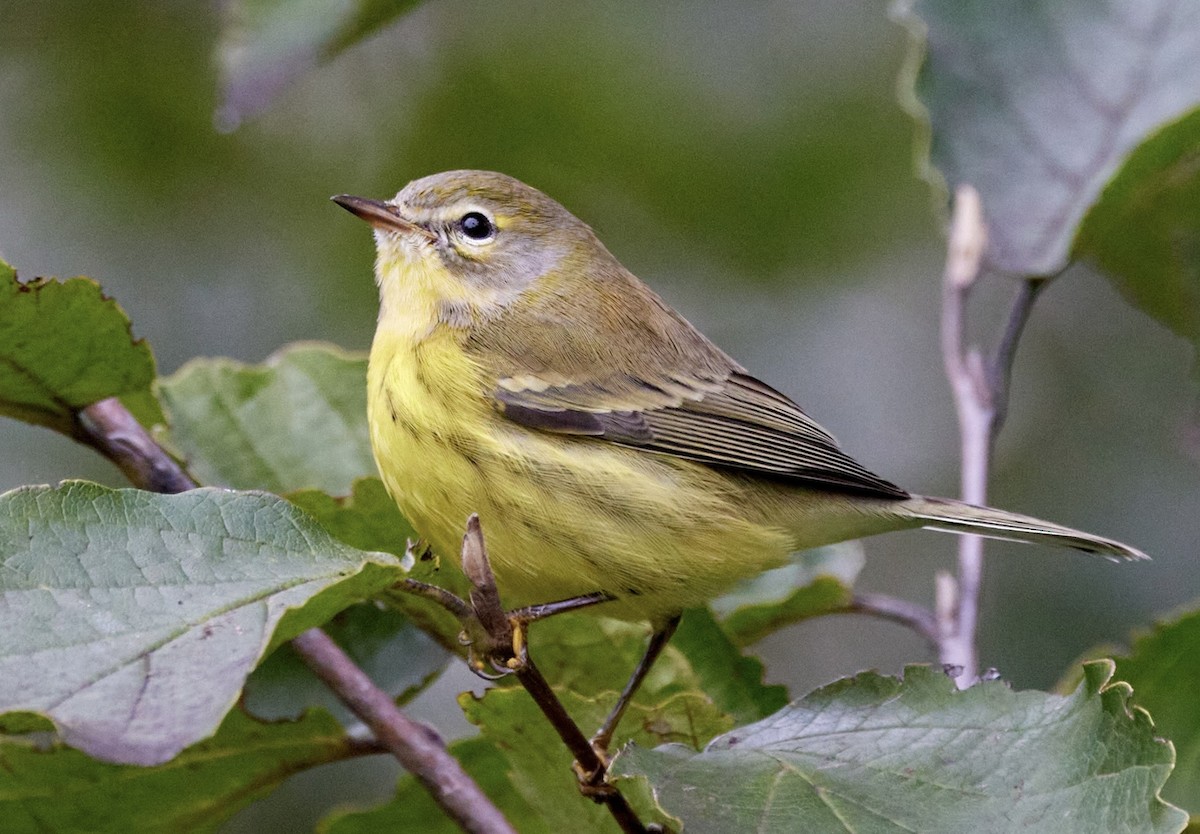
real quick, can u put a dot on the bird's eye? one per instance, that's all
(476, 226)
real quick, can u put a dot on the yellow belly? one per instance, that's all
(568, 516)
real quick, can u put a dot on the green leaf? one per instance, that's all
(132, 619)
(521, 763)
(1163, 669)
(1038, 104)
(874, 753)
(59, 789)
(413, 809)
(267, 44)
(1144, 232)
(814, 582)
(64, 346)
(719, 669)
(7, 273)
(297, 421)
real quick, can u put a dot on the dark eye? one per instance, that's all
(476, 226)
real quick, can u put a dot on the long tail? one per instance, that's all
(958, 517)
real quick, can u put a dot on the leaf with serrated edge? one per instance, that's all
(64, 346)
(878, 754)
(132, 619)
(1163, 667)
(59, 789)
(297, 421)
(1038, 106)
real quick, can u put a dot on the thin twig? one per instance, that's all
(981, 390)
(506, 650)
(416, 746)
(975, 408)
(110, 428)
(999, 370)
(910, 614)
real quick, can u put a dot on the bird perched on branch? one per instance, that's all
(617, 458)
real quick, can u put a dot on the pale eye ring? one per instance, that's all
(476, 227)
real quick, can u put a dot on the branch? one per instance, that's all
(958, 602)
(416, 746)
(110, 428)
(504, 646)
(910, 614)
(981, 400)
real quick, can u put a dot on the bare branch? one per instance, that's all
(108, 427)
(981, 400)
(918, 618)
(974, 404)
(416, 746)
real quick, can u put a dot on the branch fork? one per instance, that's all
(497, 646)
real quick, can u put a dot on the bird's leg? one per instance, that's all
(658, 642)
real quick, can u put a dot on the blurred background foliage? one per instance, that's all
(749, 161)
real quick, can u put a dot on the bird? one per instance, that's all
(619, 460)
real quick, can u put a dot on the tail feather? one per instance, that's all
(959, 517)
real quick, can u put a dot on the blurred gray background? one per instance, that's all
(747, 160)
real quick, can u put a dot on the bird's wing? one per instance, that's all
(652, 381)
(740, 424)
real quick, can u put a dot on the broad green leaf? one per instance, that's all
(56, 788)
(399, 657)
(1144, 232)
(734, 681)
(877, 754)
(540, 766)
(1038, 103)
(132, 619)
(814, 582)
(64, 346)
(1163, 668)
(7, 273)
(297, 421)
(267, 44)
(413, 809)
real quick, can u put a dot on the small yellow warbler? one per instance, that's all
(520, 372)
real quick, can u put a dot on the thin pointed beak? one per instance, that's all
(380, 215)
